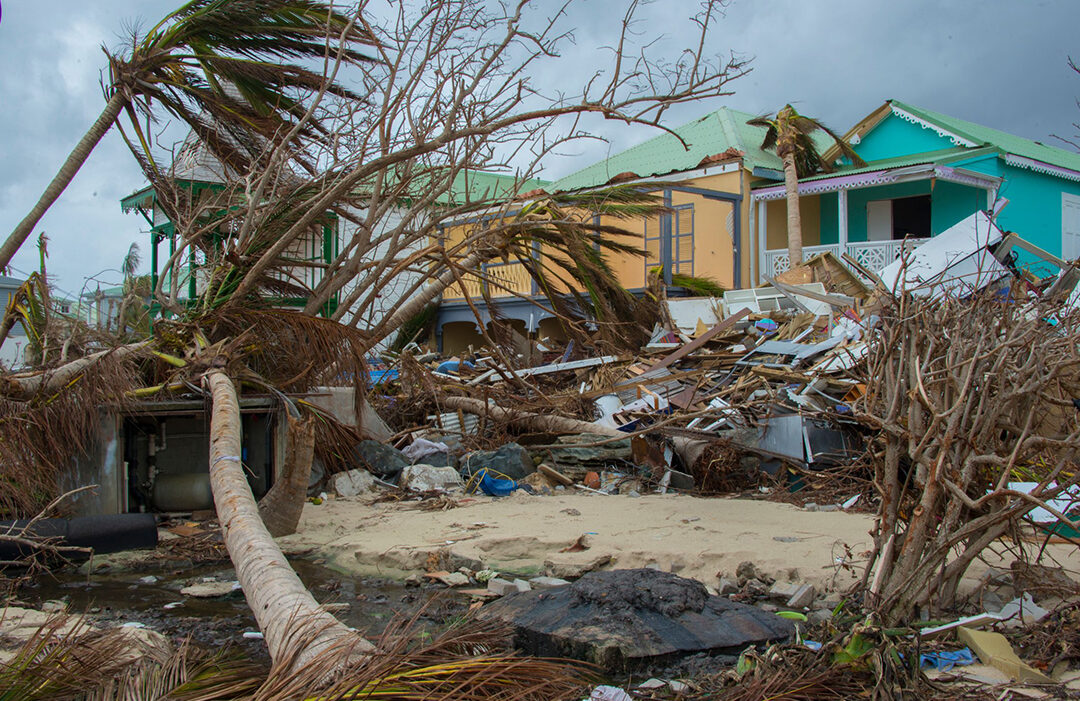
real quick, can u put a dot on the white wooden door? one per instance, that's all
(879, 223)
(1070, 226)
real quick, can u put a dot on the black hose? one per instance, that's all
(105, 534)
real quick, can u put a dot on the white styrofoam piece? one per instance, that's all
(762, 300)
(686, 312)
(956, 260)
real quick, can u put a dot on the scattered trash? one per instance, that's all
(945, 660)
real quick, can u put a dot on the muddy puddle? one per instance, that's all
(154, 599)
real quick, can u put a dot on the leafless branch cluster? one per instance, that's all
(451, 94)
(968, 396)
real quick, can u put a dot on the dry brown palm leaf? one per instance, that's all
(468, 661)
(290, 350)
(38, 437)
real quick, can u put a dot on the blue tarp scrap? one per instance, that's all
(946, 659)
(493, 486)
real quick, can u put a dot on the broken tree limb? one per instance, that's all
(23, 388)
(698, 342)
(689, 450)
(284, 609)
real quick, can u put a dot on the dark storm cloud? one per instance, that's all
(998, 62)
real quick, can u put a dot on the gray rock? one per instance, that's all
(522, 585)
(353, 483)
(626, 619)
(810, 506)
(755, 587)
(769, 608)
(382, 460)
(727, 587)
(746, 570)
(547, 582)
(818, 616)
(511, 460)
(502, 587)
(802, 598)
(454, 579)
(782, 591)
(54, 606)
(148, 579)
(210, 590)
(572, 569)
(426, 478)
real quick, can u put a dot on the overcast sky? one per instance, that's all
(997, 62)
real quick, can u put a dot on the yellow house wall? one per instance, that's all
(713, 234)
(810, 219)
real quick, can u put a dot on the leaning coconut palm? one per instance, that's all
(226, 59)
(450, 95)
(790, 134)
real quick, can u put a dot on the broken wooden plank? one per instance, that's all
(560, 367)
(836, 300)
(699, 341)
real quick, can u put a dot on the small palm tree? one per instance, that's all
(221, 67)
(790, 134)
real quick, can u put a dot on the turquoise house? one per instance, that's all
(925, 172)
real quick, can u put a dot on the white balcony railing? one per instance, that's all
(874, 255)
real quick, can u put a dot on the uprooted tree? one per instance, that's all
(446, 92)
(965, 396)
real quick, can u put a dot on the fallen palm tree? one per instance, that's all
(444, 100)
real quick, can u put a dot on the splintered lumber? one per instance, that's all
(699, 341)
(553, 367)
(827, 269)
(835, 300)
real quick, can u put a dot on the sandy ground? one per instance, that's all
(693, 537)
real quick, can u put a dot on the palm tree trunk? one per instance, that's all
(286, 612)
(281, 507)
(794, 221)
(425, 296)
(64, 177)
(25, 388)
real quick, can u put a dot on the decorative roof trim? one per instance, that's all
(1041, 167)
(817, 187)
(941, 131)
(879, 177)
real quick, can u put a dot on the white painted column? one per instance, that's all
(762, 240)
(842, 219)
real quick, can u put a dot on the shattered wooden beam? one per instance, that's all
(699, 341)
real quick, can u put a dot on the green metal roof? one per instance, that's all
(706, 136)
(479, 185)
(1004, 141)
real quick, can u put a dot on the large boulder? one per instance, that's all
(353, 483)
(427, 478)
(380, 459)
(625, 619)
(510, 460)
